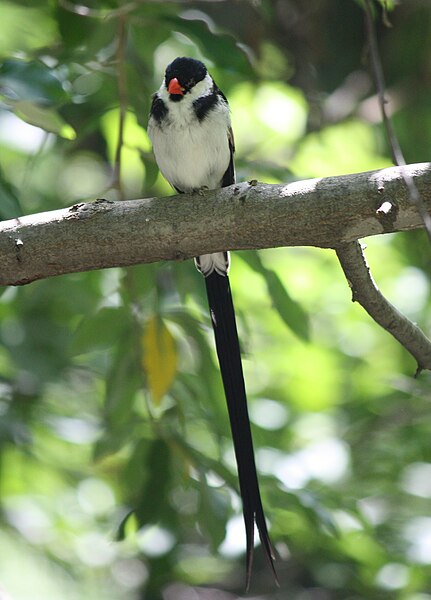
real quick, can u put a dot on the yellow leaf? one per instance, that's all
(159, 357)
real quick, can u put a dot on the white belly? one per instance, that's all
(191, 158)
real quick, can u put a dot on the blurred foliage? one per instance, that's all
(117, 475)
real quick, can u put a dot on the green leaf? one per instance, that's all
(113, 440)
(26, 28)
(152, 503)
(208, 380)
(363, 548)
(31, 82)
(387, 4)
(201, 461)
(213, 511)
(102, 330)
(221, 48)
(127, 523)
(45, 118)
(289, 310)
(151, 169)
(122, 383)
(317, 512)
(75, 28)
(9, 203)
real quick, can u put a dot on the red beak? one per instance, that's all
(175, 88)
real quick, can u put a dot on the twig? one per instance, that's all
(366, 292)
(397, 154)
(98, 13)
(122, 100)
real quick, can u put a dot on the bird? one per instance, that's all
(193, 144)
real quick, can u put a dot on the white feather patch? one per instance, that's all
(208, 263)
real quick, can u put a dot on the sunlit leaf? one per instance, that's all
(338, 149)
(151, 169)
(45, 118)
(26, 28)
(363, 548)
(128, 525)
(289, 310)
(135, 140)
(387, 4)
(159, 357)
(326, 392)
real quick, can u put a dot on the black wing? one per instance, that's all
(229, 176)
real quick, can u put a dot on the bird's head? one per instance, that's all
(186, 76)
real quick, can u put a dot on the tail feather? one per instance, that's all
(229, 355)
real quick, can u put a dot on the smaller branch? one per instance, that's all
(397, 154)
(366, 292)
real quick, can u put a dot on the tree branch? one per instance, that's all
(325, 212)
(366, 292)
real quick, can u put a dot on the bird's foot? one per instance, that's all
(201, 191)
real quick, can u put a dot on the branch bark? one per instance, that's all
(324, 212)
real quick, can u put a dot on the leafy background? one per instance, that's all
(117, 476)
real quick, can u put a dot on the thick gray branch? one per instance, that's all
(319, 212)
(366, 292)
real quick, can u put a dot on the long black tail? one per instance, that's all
(228, 351)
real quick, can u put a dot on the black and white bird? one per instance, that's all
(191, 133)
